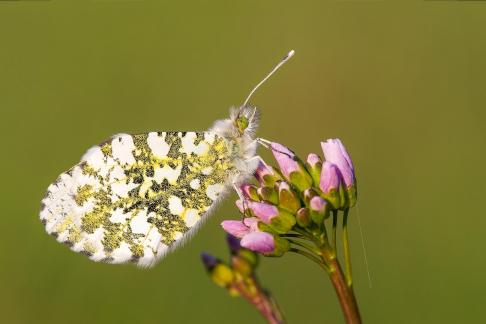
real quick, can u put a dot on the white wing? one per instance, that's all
(134, 197)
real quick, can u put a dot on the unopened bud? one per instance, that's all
(318, 210)
(314, 167)
(303, 217)
(268, 194)
(287, 199)
(292, 168)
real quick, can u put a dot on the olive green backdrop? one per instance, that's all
(402, 84)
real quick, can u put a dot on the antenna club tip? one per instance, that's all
(291, 53)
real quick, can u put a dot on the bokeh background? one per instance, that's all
(401, 83)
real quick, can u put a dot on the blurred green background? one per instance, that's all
(402, 84)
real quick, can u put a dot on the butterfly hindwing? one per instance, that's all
(134, 197)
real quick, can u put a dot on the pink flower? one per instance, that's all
(335, 153)
(265, 212)
(291, 167)
(330, 177)
(285, 159)
(249, 191)
(259, 242)
(235, 227)
(265, 174)
(249, 233)
(313, 159)
(318, 204)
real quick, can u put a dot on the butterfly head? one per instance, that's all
(245, 120)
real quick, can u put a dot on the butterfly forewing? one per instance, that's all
(134, 197)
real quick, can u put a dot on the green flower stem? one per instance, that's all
(346, 249)
(344, 292)
(251, 290)
(334, 226)
(308, 247)
(311, 257)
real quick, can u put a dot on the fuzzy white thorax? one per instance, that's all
(241, 144)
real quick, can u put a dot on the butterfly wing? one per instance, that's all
(133, 198)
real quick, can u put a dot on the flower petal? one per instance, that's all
(263, 211)
(318, 204)
(251, 223)
(235, 228)
(335, 153)
(313, 159)
(259, 242)
(330, 177)
(285, 159)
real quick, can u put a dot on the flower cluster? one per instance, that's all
(242, 265)
(297, 197)
(238, 277)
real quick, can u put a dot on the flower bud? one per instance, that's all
(277, 219)
(281, 246)
(314, 166)
(220, 273)
(335, 153)
(308, 195)
(250, 191)
(268, 194)
(243, 207)
(265, 212)
(235, 228)
(209, 261)
(283, 223)
(250, 256)
(288, 200)
(291, 167)
(330, 183)
(241, 265)
(303, 217)
(233, 243)
(318, 209)
(266, 175)
(259, 242)
(237, 250)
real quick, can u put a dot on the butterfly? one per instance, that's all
(134, 198)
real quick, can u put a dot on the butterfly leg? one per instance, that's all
(268, 145)
(256, 158)
(241, 196)
(263, 142)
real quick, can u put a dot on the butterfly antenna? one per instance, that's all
(282, 62)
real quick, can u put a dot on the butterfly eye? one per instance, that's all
(241, 123)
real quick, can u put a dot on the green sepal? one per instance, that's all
(300, 179)
(315, 173)
(319, 217)
(250, 256)
(270, 179)
(281, 246)
(282, 223)
(288, 200)
(268, 194)
(303, 217)
(253, 193)
(352, 195)
(308, 194)
(334, 197)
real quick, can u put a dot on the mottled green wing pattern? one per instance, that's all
(134, 197)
